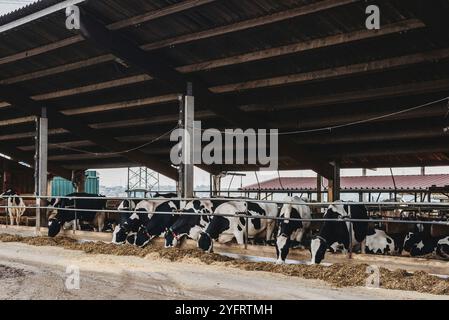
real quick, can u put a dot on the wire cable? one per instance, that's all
(118, 152)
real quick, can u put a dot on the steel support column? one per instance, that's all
(187, 117)
(334, 184)
(319, 182)
(40, 168)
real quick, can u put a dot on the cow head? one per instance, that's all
(171, 239)
(9, 192)
(410, 239)
(205, 242)
(143, 238)
(52, 206)
(127, 205)
(119, 235)
(318, 247)
(54, 227)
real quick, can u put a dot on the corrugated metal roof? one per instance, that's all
(412, 182)
(26, 10)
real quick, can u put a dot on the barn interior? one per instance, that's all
(343, 96)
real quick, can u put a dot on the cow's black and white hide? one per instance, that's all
(378, 242)
(225, 229)
(420, 244)
(128, 206)
(16, 206)
(289, 231)
(59, 215)
(191, 223)
(338, 231)
(127, 230)
(443, 248)
(165, 195)
(157, 223)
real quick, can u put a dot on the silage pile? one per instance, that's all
(339, 275)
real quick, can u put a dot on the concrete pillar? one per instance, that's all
(189, 118)
(216, 185)
(186, 121)
(334, 184)
(319, 183)
(40, 167)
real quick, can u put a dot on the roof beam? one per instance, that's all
(299, 78)
(402, 26)
(412, 89)
(92, 87)
(20, 100)
(337, 72)
(156, 66)
(406, 89)
(246, 24)
(304, 10)
(153, 15)
(304, 46)
(175, 8)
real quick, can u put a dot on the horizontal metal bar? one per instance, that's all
(382, 205)
(244, 215)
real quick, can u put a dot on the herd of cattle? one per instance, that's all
(222, 221)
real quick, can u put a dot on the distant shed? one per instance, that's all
(419, 185)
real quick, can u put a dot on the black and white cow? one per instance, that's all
(127, 230)
(420, 244)
(338, 230)
(443, 248)
(16, 205)
(289, 231)
(59, 216)
(225, 229)
(165, 195)
(127, 207)
(157, 224)
(190, 225)
(378, 242)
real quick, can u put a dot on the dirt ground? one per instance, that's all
(29, 272)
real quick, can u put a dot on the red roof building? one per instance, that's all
(356, 184)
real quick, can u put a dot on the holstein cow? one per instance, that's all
(59, 216)
(224, 229)
(291, 230)
(338, 230)
(134, 229)
(443, 248)
(420, 244)
(157, 224)
(129, 206)
(127, 230)
(16, 206)
(189, 225)
(378, 242)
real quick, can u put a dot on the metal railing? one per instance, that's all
(377, 207)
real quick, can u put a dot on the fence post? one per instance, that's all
(75, 224)
(246, 225)
(351, 227)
